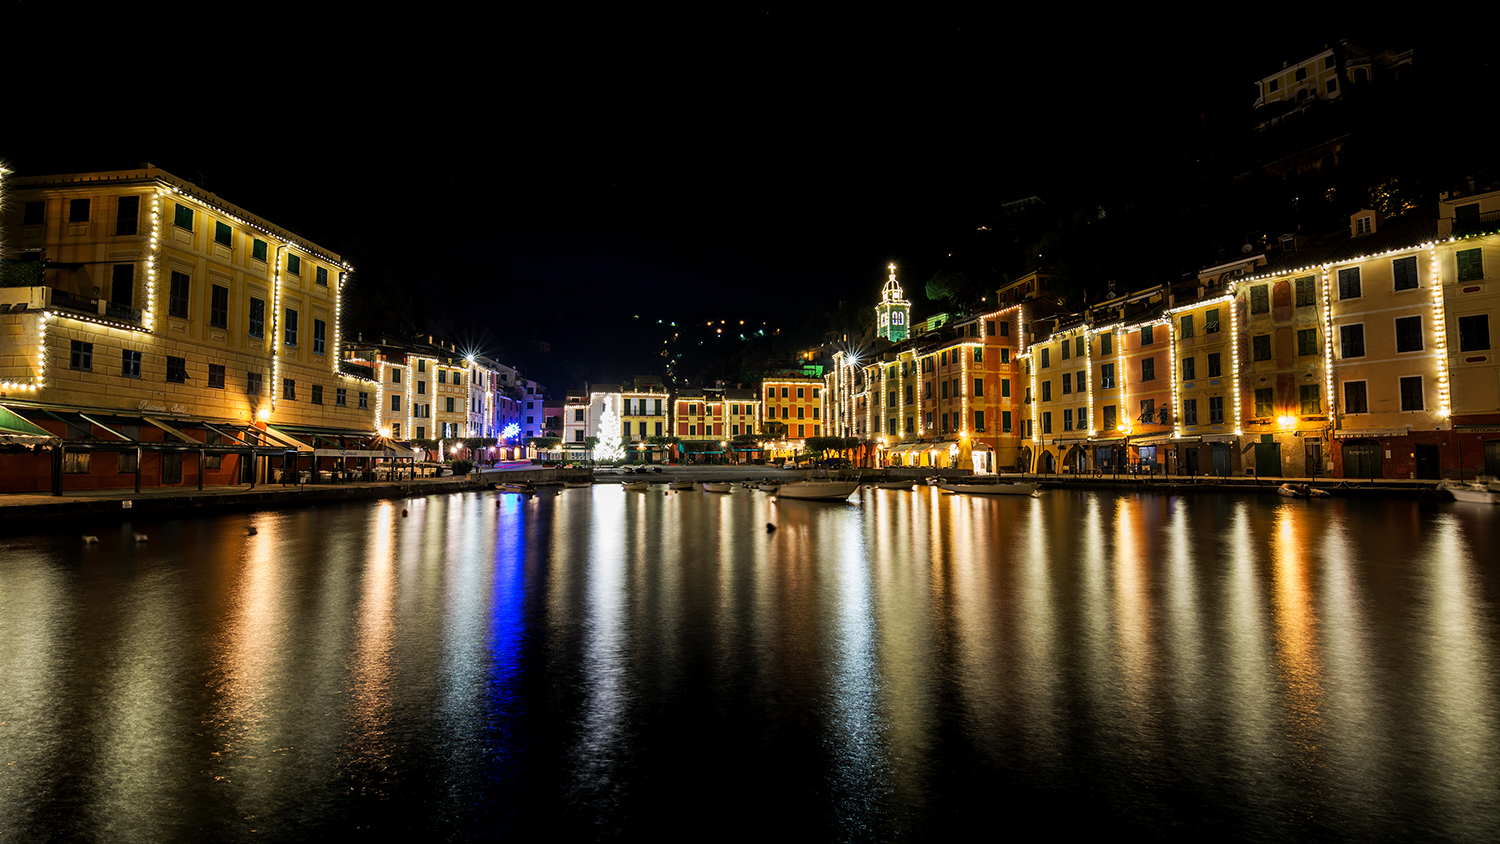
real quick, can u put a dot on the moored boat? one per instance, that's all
(818, 489)
(906, 484)
(769, 486)
(1301, 491)
(636, 485)
(996, 488)
(717, 486)
(679, 484)
(1480, 491)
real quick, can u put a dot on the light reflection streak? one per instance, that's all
(1456, 693)
(1299, 665)
(604, 714)
(372, 692)
(1038, 679)
(1247, 669)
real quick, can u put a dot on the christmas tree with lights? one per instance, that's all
(609, 448)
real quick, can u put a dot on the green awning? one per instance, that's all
(19, 431)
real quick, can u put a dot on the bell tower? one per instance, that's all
(893, 314)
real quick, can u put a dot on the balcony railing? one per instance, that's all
(1476, 224)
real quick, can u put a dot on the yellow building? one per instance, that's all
(176, 313)
(795, 406)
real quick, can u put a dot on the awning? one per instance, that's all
(16, 430)
(169, 429)
(1221, 438)
(1158, 439)
(1180, 440)
(287, 440)
(1372, 433)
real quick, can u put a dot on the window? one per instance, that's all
(815, 392)
(421, 432)
(1470, 265)
(458, 378)
(252, 383)
(1307, 341)
(177, 298)
(1189, 368)
(82, 356)
(1110, 418)
(128, 214)
(989, 328)
(130, 364)
(1190, 411)
(449, 408)
(1411, 393)
(1005, 421)
(1215, 410)
(978, 388)
(1310, 398)
(1106, 344)
(1473, 333)
(223, 235)
(1078, 346)
(395, 376)
(1405, 271)
(1148, 411)
(442, 376)
(1352, 341)
(1082, 378)
(364, 401)
(1349, 283)
(1046, 358)
(396, 404)
(340, 397)
(218, 307)
(1260, 299)
(320, 276)
(216, 376)
(1187, 325)
(289, 336)
(78, 210)
(1148, 369)
(1261, 347)
(1306, 291)
(257, 318)
(320, 334)
(1107, 375)
(1211, 321)
(1047, 422)
(258, 249)
(1363, 225)
(1067, 385)
(1409, 334)
(1005, 355)
(1214, 368)
(1067, 349)
(1264, 401)
(578, 414)
(76, 462)
(979, 418)
(183, 217)
(288, 389)
(1046, 391)
(176, 370)
(1331, 86)
(128, 462)
(944, 385)
(1068, 420)
(294, 265)
(1005, 388)
(34, 214)
(979, 354)
(1354, 397)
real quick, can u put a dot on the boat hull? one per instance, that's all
(992, 489)
(818, 490)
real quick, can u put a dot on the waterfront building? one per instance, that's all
(1060, 431)
(175, 335)
(1469, 230)
(641, 412)
(698, 422)
(1206, 377)
(793, 408)
(575, 414)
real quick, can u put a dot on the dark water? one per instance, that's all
(906, 666)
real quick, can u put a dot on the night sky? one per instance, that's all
(560, 175)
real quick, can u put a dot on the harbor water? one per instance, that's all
(908, 665)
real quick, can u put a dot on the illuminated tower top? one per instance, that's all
(893, 314)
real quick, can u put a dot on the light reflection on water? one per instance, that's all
(603, 662)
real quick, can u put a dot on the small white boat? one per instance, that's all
(636, 485)
(818, 490)
(934, 481)
(1301, 491)
(1481, 491)
(997, 488)
(769, 486)
(679, 484)
(520, 488)
(577, 484)
(907, 484)
(718, 486)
